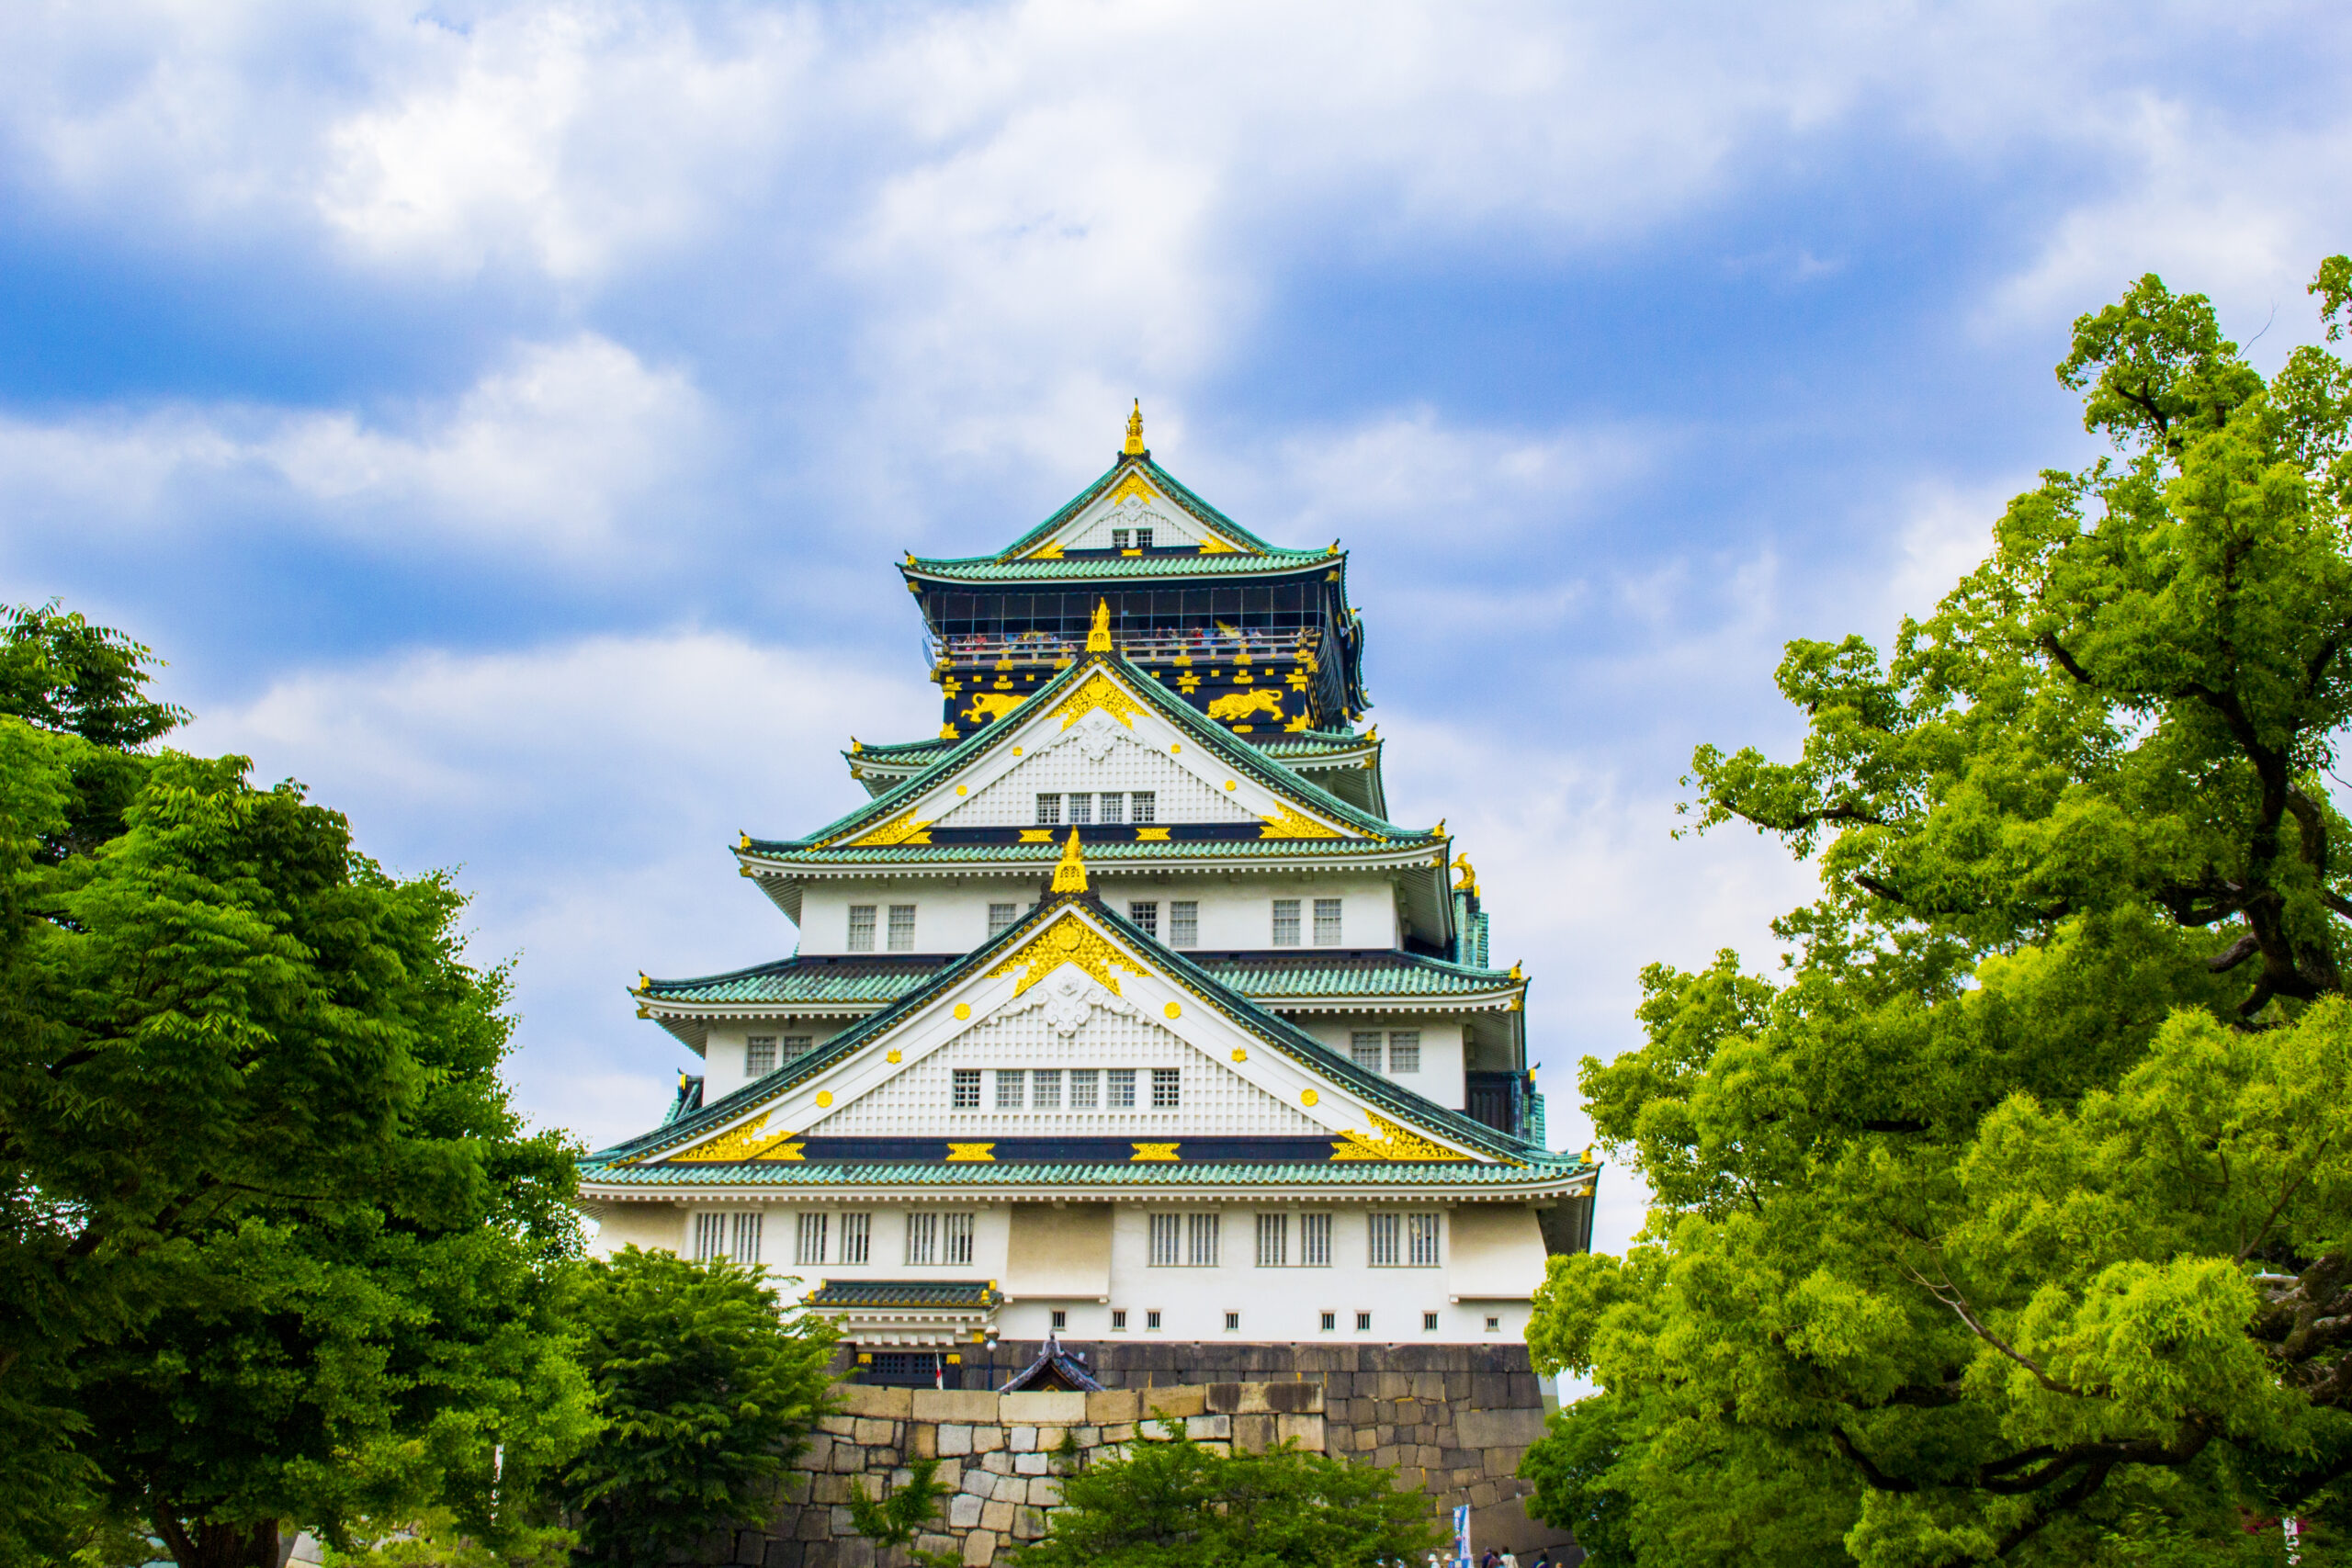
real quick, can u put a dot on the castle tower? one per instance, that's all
(1120, 1011)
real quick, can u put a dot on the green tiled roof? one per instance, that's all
(1046, 854)
(1536, 1171)
(1310, 742)
(989, 569)
(901, 751)
(974, 1294)
(805, 980)
(1271, 977)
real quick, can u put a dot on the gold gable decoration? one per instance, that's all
(750, 1141)
(907, 829)
(1132, 485)
(1290, 823)
(1394, 1143)
(1099, 691)
(1067, 939)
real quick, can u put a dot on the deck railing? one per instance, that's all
(985, 649)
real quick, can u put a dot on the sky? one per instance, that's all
(503, 417)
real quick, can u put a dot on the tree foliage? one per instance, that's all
(1180, 1503)
(706, 1392)
(2012, 1221)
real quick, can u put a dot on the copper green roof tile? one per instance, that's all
(1535, 1169)
(1270, 976)
(974, 1294)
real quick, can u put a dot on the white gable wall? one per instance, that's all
(723, 1068)
(1094, 760)
(1236, 910)
(1169, 524)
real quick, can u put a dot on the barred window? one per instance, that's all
(1385, 1232)
(858, 1237)
(1151, 1318)
(956, 1239)
(1421, 1241)
(1118, 1319)
(1145, 912)
(1327, 922)
(1429, 1323)
(1081, 809)
(759, 1055)
(1274, 1241)
(1049, 809)
(808, 1238)
(964, 1094)
(1009, 1082)
(1315, 1241)
(727, 1235)
(1003, 915)
(796, 1045)
(1140, 805)
(1167, 1087)
(1118, 538)
(1232, 1322)
(1183, 922)
(1286, 922)
(923, 1238)
(861, 928)
(1330, 1321)
(902, 928)
(1110, 805)
(1046, 1089)
(1085, 1087)
(1364, 1049)
(1121, 1082)
(1404, 1050)
(1143, 538)
(1167, 1240)
(1200, 1241)
(1364, 1323)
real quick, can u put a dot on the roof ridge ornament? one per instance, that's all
(1098, 637)
(1070, 876)
(1133, 448)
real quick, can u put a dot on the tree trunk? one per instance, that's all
(211, 1544)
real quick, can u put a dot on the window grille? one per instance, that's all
(1494, 1326)
(1121, 1082)
(1143, 538)
(1046, 1089)
(1061, 1318)
(796, 1045)
(1049, 809)
(1002, 916)
(1327, 922)
(759, 1055)
(1111, 805)
(1232, 1322)
(1167, 1239)
(1286, 922)
(744, 1239)
(957, 1240)
(1404, 1050)
(965, 1092)
(1167, 1087)
(1085, 1086)
(1315, 1241)
(1364, 1323)
(1183, 922)
(1429, 1323)
(1151, 1318)
(1364, 1049)
(1421, 1241)
(902, 928)
(1118, 538)
(1118, 1320)
(1330, 1321)
(1141, 805)
(1009, 1081)
(710, 1236)
(1200, 1241)
(858, 1237)
(1385, 1232)
(1080, 809)
(1145, 912)
(922, 1239)
(808, 1238)
(861, 928)
(1274, 1241)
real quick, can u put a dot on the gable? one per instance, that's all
(1096, 754)
(1135, 502)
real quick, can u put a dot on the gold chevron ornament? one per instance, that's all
(1067, 939)
(1099, 691)
(1288, 823)
(1394, 1143)
(748, 1141)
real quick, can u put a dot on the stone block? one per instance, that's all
(813, 1525)
(1388, 1456)
(1497, 1429)
(979, 1482)
(863, 1399)
(839, 1522)
(970, 1406)
(1119, 1432)
(1485, 1494)
(1112, 1453)
(818, 1454)
(997, 1516)
(1156, 1431)
(955, 1438)
(749, 1547)
(979, 1549)
(923, 1441)
(1222, 1398)
(848, 1458)
(944, 1545)
(1007, 1489)
(1254, 1434)
(1199, 1427)
(782, 1554)
(1501, 1461)
(818, 1554)
(1031, 1464)
(996, 1464)
(1179, 1401)
(839, 1425)
(875, 1432)
(1028, 1524)
(1114, 1404)
(1306, 1431)
(1046, 1491)
(853, 1551)
(962, 1512)
(1088, 1437)
(987, 1440)
(1060, 1408)
(1489, 1391)
(794, 1487)
(1367, 1439)
(828, 1489)
(1021, 1440)
(1292, 1398)
(1428, 1456)
(1219, 1446)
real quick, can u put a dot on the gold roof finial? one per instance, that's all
(1070, 875)
(1469, 883)
(1133, 448)
(1098, 640)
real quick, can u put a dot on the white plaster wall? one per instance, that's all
(647, 1226)
(1440, 1076)
(1169, 524)
(724, 1050)
(951, 915)
(1237, 910)
(1120, 761)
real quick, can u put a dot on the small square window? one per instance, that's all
(1118, 1320)
(1364, 1049)
(1183, 922)
(1121, 1082)
(1145, 912)
(796, 1045)
(1110, 807)
(1010, 1082)
(1081, 808)
(1049, 809)
(965, 1093)
(1364, 1323)
(759, 1056)
(1085, 1085)
(1286, 922)
(1429, 1323)
(1151, 1318)
(1118, 538)
(1494, 1326)
(1046, 1089)
(1167, 1087)
(1327, 922)
(1330, 1321)
(1404, 1050)
(1061, 1318)
(1142, 805)
(1232, 1322)
(861, 928)
(1002, 916)
(902, 928)
(1143, 538)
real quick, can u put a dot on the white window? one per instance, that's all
(1494, 1326)
(1003, 915)
(1330, 1321)
(1327, 922)
(1009, 1082)
(1387, 1230)
(858, 1237)
(1121, 1081)
(1286, 922)
(1364, 1049)
(1143, 538)
(1151, 1318)
(727, 1235)
(956, 1235)
(861, 928)
(1110, 808)
(965, 1091)
(1167, 1087)
(1145, 912)
(1049, 809)
(1118, 1320)
(1364, 1323)
(1315, 1241)
(1429, 1323)
(1232, 1322)
(1081, 809)
(1200, 1241)
(1140, 805)
(1274, 1241)
(1183, 922)
(1085, 1087)
(1421, 1241)
(922, 1239)
(1046, 1089)
(1404, 1050)
(1061, 1318)
(759, 1055)
(1118, 538)
(902, 928)
(1167, 1240)
(808, 1238)
(796, 1045)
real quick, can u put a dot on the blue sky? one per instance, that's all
(503, 417)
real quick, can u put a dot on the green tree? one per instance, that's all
(908, 1512)
(1179, 1503)
(2012, 1221)
(706, 1392)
